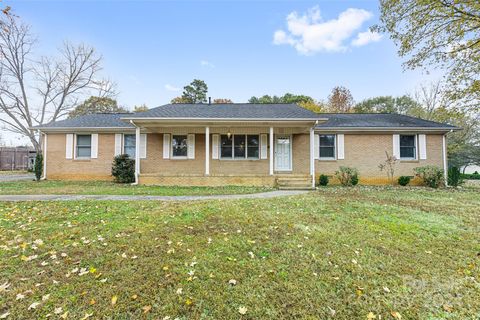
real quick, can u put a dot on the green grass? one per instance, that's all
(111, 188)
(351, 250)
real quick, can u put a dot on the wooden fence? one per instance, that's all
(16, 158)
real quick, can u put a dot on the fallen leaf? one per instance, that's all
(146, 309)
(45, 297)
(58, 310)
(114, 300)
(371, 316)
(242, 310)
(134, 297)
(65, 315)
(386, 289)
(4, 287)
(33, 305)
(447, 308)
(87, 315)
(396, 315)
(4, 315)
(20, 296)
(92, 302)
(332, 311)
(233, 282)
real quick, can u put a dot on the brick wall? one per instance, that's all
(60, 168)
(366, 151)
(362, 151)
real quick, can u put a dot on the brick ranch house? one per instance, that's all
(239, 144)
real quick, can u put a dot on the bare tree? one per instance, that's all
(35, 91)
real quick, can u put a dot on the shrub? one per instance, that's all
(470, 176)
(123, 169)
(347, 176)
(389, 166)
(323, 180)
(404, 180)
(38, 166)
(432, 176)
(454, 177)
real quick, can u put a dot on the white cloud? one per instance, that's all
(309, 33)
(366, 37)
(169, 87)
(205, 63)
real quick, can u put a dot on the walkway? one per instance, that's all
(51, 197)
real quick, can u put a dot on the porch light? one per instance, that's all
(229, 134)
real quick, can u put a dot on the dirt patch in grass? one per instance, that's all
(346, 252)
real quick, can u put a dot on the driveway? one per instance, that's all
(16, 176)
(51, 197)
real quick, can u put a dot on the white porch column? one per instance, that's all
(137, 153)
(312, 156)
(271, 151)
(207, 151)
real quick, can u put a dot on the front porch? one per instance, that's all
(218, 154)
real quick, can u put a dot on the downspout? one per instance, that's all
(445, 165)
(312, 154)
(137, 152)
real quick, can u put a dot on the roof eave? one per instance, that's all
(222, 119)
(395, 129)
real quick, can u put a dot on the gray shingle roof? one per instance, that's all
(377, 120)
(229, 111)
(97, 120)
(248, 111)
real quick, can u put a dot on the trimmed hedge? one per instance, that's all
(323, 181)
(404, 180)
(470, 176)
(123, 169)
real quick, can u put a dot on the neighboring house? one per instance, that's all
(240, 144)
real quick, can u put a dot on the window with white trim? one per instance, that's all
(83, 146)
(240, 146)
(179, 146)
(327, 146)
(129, 145)
(408, 146)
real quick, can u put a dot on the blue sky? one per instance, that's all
(149, 46)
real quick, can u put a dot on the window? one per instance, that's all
(240, 146)
(408, 147)
(129, 145)
(84, 146)
(327, 146)
(179, 146)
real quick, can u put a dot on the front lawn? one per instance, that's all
(111, 188)
(340, 253)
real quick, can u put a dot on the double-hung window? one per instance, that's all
(327, 146)
(129, 145)
(408, 147)
(239, 146)
(179, 146)
(84, 146)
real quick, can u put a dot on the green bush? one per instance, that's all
(431, 176)
(38, 166)
(323, 181)
(454, 177)
(123, 169)
(404, 180)
(347, 176)
(470, 176)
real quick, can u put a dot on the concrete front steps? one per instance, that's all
(294, 182)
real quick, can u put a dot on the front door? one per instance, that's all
(283, 153)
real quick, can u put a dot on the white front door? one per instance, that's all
(283, 153)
